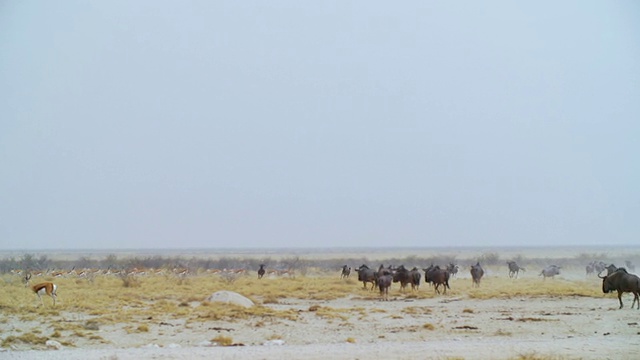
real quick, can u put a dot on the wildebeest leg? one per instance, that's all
(620, 298)
(636, 300)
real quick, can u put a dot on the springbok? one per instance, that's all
(40, 289)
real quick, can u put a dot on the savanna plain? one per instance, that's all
(146, 304)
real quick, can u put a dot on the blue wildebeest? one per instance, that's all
(415, 278)
(437, 277)
(452, 269)
(402, 276)
(365, 274)
(385, 278)
(514, 269)
(610, 269)
(346, 271)
(261, 271)
(621, 281)
(550, 271)
(477, 272)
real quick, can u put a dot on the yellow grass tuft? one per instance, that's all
(428, 326)
(222, 340)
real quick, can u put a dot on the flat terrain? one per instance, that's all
(320, 316)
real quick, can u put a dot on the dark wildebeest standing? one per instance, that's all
(437, 276)
(476, 274)
(385, 278)
(415, 278)
(261, 271)
(550, 271)
(514, 269)
(402, 276)
(365, 274)
(346, 271)
(621, 281)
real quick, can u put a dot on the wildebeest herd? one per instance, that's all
(617, 279)
(434, 275)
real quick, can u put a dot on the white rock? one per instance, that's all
(151, 346)
(52, 344)
(174, 346)
(230, 297)
(205, 343)
(273, 342)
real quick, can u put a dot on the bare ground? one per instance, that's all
(449, 326)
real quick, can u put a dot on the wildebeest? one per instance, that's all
(514, 269)
(476, 274)
(595, 267)
(346, 271)
(437, 276)
(261, 271)
(384, 283)
(550, 271)
(415, 278)
(452, 269)
(621, 281)
(365, 274)
(610, 269)
(402, 276)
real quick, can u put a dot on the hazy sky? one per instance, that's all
(145, 124)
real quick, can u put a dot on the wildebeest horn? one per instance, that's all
(601, 277)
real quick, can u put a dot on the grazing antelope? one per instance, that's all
(40, 289)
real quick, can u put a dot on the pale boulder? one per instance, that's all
(230, 297)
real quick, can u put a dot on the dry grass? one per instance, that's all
(109, 300)
(222, 340)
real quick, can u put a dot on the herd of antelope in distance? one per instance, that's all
(381, 278)
(48, 288)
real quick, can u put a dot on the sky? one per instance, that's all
(208, 124)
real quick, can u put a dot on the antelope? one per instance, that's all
(40, 289)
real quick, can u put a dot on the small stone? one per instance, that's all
(273, 343)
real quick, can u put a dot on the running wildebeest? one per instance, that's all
(346, 271)
(476, 274)
(514, 269)
(261, 271)
(437, 276)
(621, 281)
(365, 274)
(550, 271)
